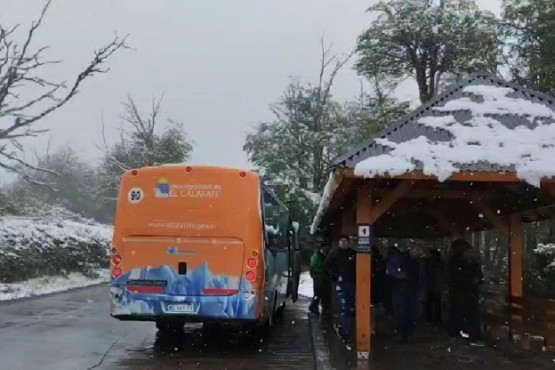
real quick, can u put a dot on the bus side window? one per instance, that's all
(269, 219)
(276, 222)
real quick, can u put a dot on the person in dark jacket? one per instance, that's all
(321, 281)
(405, 275)
(435, 271)
(389, 281)
(341, 262)
(454, 262)
(377, 284)
(471, 313)
(397, 276)
(465, 279)
(378, 277)
(418, 257)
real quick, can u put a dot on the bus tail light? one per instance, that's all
(116, 259)
(216, 291)
(252, 263)
(145, 289)
(116, 272)
(251, 276)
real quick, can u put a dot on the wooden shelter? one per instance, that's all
(489, 186)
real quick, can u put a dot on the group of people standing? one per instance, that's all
(337, 265)
(408, 285)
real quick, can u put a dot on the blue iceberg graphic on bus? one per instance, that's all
(162, 189)
(185, 292)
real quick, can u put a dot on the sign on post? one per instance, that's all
(364, 238)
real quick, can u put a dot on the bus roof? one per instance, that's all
(184, 166)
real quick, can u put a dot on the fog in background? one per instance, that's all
(219, 63)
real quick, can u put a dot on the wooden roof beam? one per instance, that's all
(442, 220)
(550, 188)
(440, 193)
(467, 176)
(389, 199)
(492, 217)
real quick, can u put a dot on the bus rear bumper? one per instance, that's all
(125, 305)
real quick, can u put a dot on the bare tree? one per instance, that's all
(145, 139)
(323, 93)
(19, 68)
(136, 129)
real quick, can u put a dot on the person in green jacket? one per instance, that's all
(321, 280)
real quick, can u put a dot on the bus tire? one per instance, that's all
(273, 314)
(261, 331)
(166, 327)
(279, 312)
(212, 330)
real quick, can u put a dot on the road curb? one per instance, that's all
(321, 349)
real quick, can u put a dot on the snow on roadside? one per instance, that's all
(50, 284)
(16, 231)
(41, 255)
(306, 285)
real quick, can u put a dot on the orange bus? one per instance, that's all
(200, 244)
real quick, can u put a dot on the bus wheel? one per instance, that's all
(279, 312)
(170, 326)
(273, 314)
(212, 330)
(259, 332)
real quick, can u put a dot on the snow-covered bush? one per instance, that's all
(545, 255)
(540, 276)
(54, 245)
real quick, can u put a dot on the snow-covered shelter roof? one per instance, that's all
(480, 124)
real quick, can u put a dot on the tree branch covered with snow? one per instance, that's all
(26, 97)
(294, 151)
(530, 39)
(428, 41)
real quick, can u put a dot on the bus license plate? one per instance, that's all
(182, 308)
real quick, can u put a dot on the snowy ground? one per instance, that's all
(306, 285)
(47, 255)
(50, 284)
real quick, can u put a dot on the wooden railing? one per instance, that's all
(528, 321)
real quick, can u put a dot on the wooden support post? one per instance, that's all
(348, 224)
(516, 256)
(550, 188)
(363, 282)
(335, 234)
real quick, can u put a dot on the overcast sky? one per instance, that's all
(220, 63)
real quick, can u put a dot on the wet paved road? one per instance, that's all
(73, 331)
